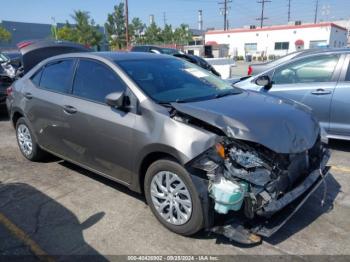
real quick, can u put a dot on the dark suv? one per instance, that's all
(192, 143)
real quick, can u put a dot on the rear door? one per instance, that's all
(44, 96)
(340, 106)
(310, 81)
(100, 136)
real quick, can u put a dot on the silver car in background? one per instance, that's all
(319, 80)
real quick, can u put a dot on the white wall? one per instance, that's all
(266, 39)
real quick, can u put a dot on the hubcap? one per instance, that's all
(24, 139)
(171, 198)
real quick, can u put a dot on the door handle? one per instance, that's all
(321, 91)
(69, 109)
(28, 95)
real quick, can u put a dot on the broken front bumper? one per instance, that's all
(247, 231)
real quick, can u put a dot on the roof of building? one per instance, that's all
(275, 27)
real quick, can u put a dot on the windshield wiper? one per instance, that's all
(231, 92)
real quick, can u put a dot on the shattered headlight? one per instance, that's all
(244, 158)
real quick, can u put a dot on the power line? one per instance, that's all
(262, 17)
(224, 11)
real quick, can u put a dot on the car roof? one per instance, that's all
(111, 56)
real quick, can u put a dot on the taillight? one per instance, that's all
(9, 91)
(250, 70)
(24, 44)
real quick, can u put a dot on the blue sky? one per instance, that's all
(243, 12)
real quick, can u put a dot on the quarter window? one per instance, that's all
(347, 77)
(36, 77)
(57, 76)
(281, 45)
(308, 70)
(94, 81)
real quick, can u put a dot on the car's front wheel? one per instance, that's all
(26, 142)
(173, 197)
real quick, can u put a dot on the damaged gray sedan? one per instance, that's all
(197, 147)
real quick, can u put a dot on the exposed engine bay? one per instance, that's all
(256, 182)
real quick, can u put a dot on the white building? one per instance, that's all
(279, 40)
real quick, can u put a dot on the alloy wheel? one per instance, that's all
(25, 139)
(171, 198)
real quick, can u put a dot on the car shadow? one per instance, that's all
(3, 114)
(306, 215)
(103, 180)
(311, 210)
(339, 145)
(45, 222)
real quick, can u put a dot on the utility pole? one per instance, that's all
(289, 10)
(262, 17)
(200, 19)
(316, 12)
(164, 19)
(127, 23)
(224, 11)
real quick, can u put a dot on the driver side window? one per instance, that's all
(309, 70)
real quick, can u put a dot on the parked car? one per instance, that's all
(319, 80)
(155, 49)
(177, 53)
(15, 58)
(257, 68)
(7, 72)
(14, 64)
(192, 143)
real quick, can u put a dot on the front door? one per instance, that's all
(101, 136)
(310, 81)
(340, 107)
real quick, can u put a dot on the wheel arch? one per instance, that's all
(151, 155)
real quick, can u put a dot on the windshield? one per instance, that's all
(169, 51)
(175, 80)
(3, 58)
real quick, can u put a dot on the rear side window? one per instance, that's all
(58, 76)
(94, 81)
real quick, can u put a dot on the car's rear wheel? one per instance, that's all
(173, 197)
(27, 143)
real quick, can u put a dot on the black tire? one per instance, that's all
(37, 154)
(196, 221)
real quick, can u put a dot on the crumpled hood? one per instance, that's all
(280, 125)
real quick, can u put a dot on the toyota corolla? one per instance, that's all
(197, 147)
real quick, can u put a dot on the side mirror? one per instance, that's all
(264, 81)
(116, 99)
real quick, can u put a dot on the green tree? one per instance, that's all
(4, 34)
(84, 30)
(87, 31)
(67, 32)
(182, 35)
(115, 27)
(153, 34)
(136, 29)
(168, 34)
